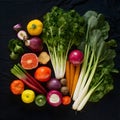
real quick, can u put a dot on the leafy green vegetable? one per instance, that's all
(95, 79)
(104, 71)
(16, 48)
(62, 29)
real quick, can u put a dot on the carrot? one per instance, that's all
(72, 73)
(66, 100)
(68, 73)
(76, 76)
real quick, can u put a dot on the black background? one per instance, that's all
(22, 11)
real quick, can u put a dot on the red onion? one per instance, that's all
(76, 57)
(17, 27)
(35, 44)
(54, 98)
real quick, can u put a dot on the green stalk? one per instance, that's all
(87, 73)
(85, 89)
(93, 70)
(82, 73)
(18, 73)
(86, 98)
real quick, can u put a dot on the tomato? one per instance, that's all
(66, 100)
(28, 96)
(17, 87)
(40, 100)
(43, 73)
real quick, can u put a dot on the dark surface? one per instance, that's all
(22, 11)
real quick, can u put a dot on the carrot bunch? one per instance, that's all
(72, 75)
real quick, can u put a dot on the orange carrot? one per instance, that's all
(68, 73)
(72, 73)
(66, 100)
(76, 76)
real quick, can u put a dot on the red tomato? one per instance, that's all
(43, 73)
(17, 87)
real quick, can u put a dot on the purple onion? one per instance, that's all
(35, 44)
(53, 84)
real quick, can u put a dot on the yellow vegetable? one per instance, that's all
(28, 96)
(35, 27)
(43, 57)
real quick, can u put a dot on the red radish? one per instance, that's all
(35, 44)
(54, 98)
(76, 57)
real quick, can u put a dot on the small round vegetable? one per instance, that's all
(64, 90)
(40, 100)
(66, 100)
(53, 84)
(76, 57)
(17, 27)
(54, 98)
(44, 57)
(35, 44)
(22, 35)
(29, 61)
(63, 81)
(28, 96)
(35, 27)
(17, 87)
(43, 73)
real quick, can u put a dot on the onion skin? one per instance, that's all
(76, 57)
(35, 44)
(17, 27)
(53, 84)
(55, 102)
(22, 35)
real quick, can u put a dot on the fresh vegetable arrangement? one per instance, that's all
(61, 31)
(77, 66)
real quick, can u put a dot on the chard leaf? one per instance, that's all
(89, 13)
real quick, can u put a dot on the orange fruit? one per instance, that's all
(29, 61)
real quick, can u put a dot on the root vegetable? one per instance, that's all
(43, 58)
(35, 44)
(53, 84)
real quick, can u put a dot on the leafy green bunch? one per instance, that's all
(16, 48)
(95, 79)
(62, 29)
